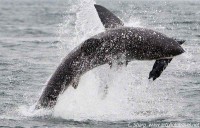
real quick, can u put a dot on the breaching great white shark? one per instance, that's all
(118, 41)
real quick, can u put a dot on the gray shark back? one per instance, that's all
(140, 43)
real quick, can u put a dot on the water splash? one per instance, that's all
(88, 22)
(118, 93)
(110, 94)
(29, 111)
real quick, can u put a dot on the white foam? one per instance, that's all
(29, 111)
(129, 96)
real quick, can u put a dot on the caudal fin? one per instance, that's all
(108, 19)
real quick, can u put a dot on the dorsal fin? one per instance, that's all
(108, 19)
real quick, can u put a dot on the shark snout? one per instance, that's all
(177, 50)
(172, 49)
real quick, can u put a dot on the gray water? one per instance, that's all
(35, 36)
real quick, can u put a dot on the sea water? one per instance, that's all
(36, 35)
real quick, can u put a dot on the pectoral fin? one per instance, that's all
(158, 68)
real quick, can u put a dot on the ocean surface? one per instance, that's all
(36, 34)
